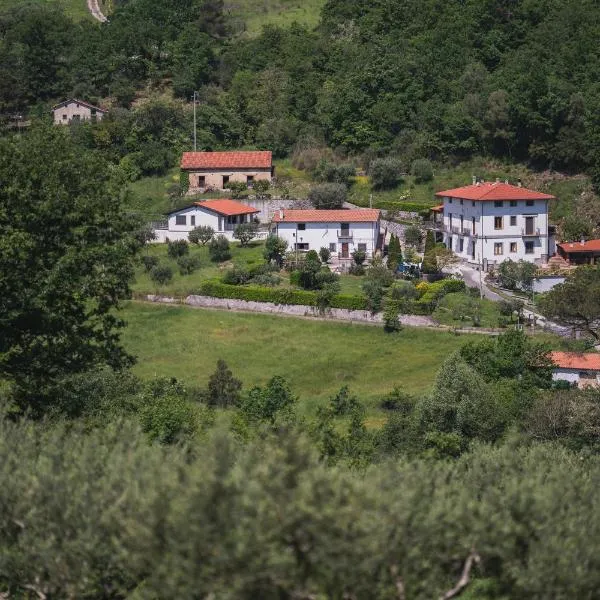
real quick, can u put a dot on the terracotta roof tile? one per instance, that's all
(327, 216)
(227, 207)
(589, 246)
(227, 160)
(585, 361)
(493, 191)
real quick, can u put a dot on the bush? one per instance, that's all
(201, 235)
(236, 276)
(332, 173)
(275, 248)
(188, 264)
(398, 400)
(328, 195)
(238, 189)
(267, 279)
(324, 254)
(359, 257)
(403, 290)
(218, 249)
(357, 270)
(391, 314)
(422, 170)
(385, 173)
(343, 403)
(167, 419)
(149, 262)
(161, 274)
(413, 236)
(245, 233)
(177, 248)
(223, 388)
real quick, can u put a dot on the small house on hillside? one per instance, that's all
(76, 110)
(341, 231)
(214, 170)
(488, 222)
(222, 215)
(580, 368)
(580, 253)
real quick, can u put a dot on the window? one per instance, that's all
(498, 223)
(529, 202)
(449, 200)
(473, 203)
(513, 247)
(450, 217)
(225, 179)
(201, 180)
(529, 225)
(332, 247)
(513, 221)
(93, 112)
(301, 226)
(528, 247)
(64, 117)
(193, 220)
(513, 203)
(249, 178)
(498, 249)
(473, 225)
(362, 247)
(498, 203)
(180, 220)
(302, 246)
(461, 244)
(345, 227)
(461, 202)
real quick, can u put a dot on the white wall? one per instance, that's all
(569, 375)
(74, 109)
(484, 214)
(213, 178)
(318, 235)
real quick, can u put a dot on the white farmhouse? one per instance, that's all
(222, 215)
(487, 223)
(579, 368)
(76, 110)
(341, 231)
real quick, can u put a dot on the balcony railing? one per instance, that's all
(344, 234)
(525, 231)
(455, 229)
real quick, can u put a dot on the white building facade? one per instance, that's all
(222, 215)
(577, 368)
(340, 231)
(488, 223)
(76, 110)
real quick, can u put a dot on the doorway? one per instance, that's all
(345, 250)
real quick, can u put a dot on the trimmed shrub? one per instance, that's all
(218, 249)
(266, 279)
(328, 195)
(422, 170)
(188, 264)
(385, 173)
(161, 274)
(201, 234)
(177, 248)
(324, 254)
(149, 262)
(236, 276)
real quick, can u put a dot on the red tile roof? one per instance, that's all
(585, 361)
(327, 216)
(494, 191)
(571, 247)
(438, 208)
(227, 160)
(227, 207)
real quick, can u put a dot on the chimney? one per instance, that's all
(582, 241)
(497, 179)
(281, 214)
(474, 179)
(506, 181)
(519, 183)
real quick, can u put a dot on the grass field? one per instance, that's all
(76, 9)
(317, 358)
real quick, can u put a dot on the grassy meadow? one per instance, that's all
(316, 357)
(76, 9)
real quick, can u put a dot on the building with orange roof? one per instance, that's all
(578, 368)
(585, 252)
(222, 214)
(487, 223)
(341, 231)
(214, 170)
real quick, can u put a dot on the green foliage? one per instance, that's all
(66, 259)
(422, 170)
(413, 236)
(236, 276)
(576, 301)
(177, 248)
(201, 235)
(270, 402)
(188, 264)
(223, 388)
(324, 254)
(161, 274)
(326, 172)
(394, 253)
(385, 173)
(184, 182)
(513, 275)
(149, 262)
(239, 189)
(245, 233)
(574, 227)
(167, 419)
(343, 403)
(359, 257)
(391, 313)
(275, 248)
(218, 249)
(429, 265)
(261, 188)
(328, 195)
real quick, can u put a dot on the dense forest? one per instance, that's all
(515, 79)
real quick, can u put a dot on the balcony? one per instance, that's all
(467, 231)
(456, 229)
(344, 235)
(530, 231)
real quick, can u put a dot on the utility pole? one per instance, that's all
(480, 279)
(195, 120)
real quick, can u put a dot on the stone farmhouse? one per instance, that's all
(214, 170)
(222, 215)
(341, 231)
(76, 110)
(486, 223)
(579, 368)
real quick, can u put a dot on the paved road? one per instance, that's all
(94, 8)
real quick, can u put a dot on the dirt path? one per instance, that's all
(94, 8)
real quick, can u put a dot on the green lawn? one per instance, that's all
(76, 9)
(316, 357)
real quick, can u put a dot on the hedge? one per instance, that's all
(251, 293)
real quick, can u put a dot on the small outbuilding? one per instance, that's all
(223, 215)
(214, 170)
(578, 368)
(585, 252)
(76, 110)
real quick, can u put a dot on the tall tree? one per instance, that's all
(65, 262)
